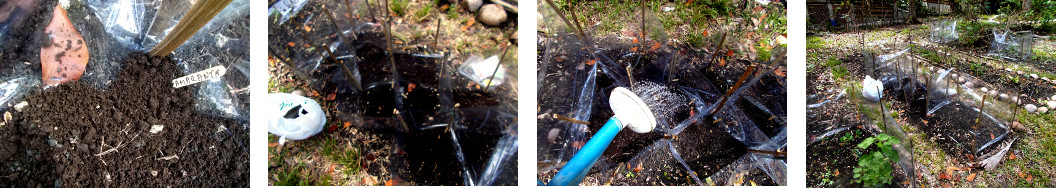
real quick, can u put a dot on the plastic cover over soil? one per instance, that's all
(686, 147)
(466, 132)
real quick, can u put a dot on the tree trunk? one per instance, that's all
(1026, 5)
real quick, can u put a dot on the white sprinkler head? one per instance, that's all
(631, 110)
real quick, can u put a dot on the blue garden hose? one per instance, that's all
(580, 164)
(629, 111)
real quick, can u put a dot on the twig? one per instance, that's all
(734, 88)
(119, 144)
(562, 16)
(296, 70)
(496, 71)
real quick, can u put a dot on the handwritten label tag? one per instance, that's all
(207, 74)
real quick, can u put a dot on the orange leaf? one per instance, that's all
(331, 129)
(389, 183)
(634, 40)
(410, 87)
(1030, 177)
(470, 23)
(971, 177)
(591, 62)
(656, 45)
(944, 176)
(314, 93)
(331, 96)
(271, 145)
(729, 53)
(757, 9)
(722, 62)
(705, 32)
(689, 2)
(308, 29)
(331, 170)
(346, 124)
(634, 49)
(65, 54)
(1012, 156)
(291, 44)
(577, 144)
(639, 168)
(837, 172)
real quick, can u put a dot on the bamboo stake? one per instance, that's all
(199, 14)
(732, 89)
(562, 16)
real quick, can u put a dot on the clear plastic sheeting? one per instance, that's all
(501, 167)
(1012, 45)
(139, 25)
(944, 31)
(14, 89)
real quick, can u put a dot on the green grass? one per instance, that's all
(814, 42)
(399, 7)
(838, 72)
(421, 14)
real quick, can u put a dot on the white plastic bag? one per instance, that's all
(293, 117)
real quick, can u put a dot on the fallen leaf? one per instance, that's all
(410, 87)
(308, 29)
(638, 168)
(65, 55)
(656, 45)
(634, 40)
(291, 44)
(1021, 175)
(944, 176)
(971, 177)
(331, 170)
(634, 49)
(722, 62)
(577, 144)
(689, 2)
(591, 62)
(757, 9)
(1012, 156)
(390, 182)
(729, 53)
(1030, 177)
(346, 124)
(705, 33)
(469, 23)
(331, 96)
(837, 172)
(331, 129)
(271, 145)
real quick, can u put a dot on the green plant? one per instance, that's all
(875, 168)
(399, 7)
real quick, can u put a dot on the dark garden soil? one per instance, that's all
(76, 135)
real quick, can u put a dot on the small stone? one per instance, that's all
(1045, 78)
(1019, 72)
(1019, 127)
(1008, 69)
(154, 129)
(1031, 108)
(298, 92)
(1053, 97)
(969, 85)
(7, 116)
(1043, 110)
(1034, 76)
(21, 105)
(954, 75)
(984, 90)
(154, 172)
(1003, 97)
(492, 15)
(1051, 104)
(960, 80)
(993, 93)
(1015, 100)
(474, 4)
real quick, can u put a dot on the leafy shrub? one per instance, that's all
(875, 168)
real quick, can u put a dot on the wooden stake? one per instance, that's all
(732, 89)
(199, 14)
